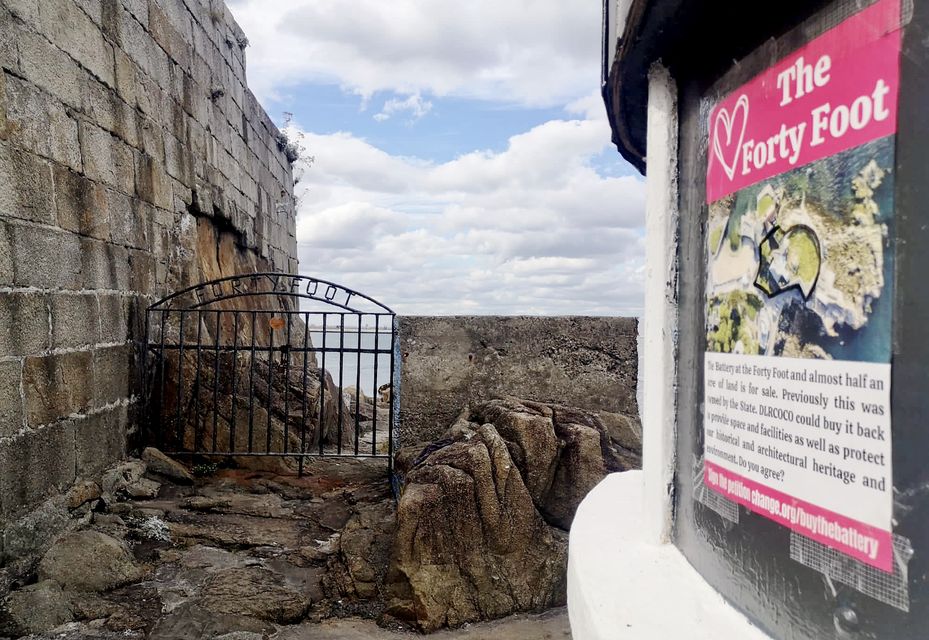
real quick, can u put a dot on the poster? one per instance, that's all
(799, 288)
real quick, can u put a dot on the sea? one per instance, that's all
(355, 368)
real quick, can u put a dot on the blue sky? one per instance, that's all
(461, 159)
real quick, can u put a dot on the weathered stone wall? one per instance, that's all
(133, 161)
(450, 363)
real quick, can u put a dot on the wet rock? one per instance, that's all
(254, 592)
(82, 492)
(36, 608)
(193, 621)
(364, 546)
(261, 506)
(124, 619)
(143, 488)
(90, 606)
(234, 531)
(159, 463)
(470, 544)
(82, 631)
(89, 561)
(108, 520)
(127, 481)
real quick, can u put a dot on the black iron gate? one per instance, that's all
(271, 364)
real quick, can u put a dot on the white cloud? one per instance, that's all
(414, 103)
(531, 229)
(518, 51)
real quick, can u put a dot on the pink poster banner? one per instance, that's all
(837, 92)
(861, 541)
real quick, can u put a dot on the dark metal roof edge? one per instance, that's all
(613, 91)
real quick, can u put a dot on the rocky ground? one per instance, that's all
(158, 553)
(159, 550)
(239, 555)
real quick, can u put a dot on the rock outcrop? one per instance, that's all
(483, 516)
(561, 452)
(243, 403)
(470, 544)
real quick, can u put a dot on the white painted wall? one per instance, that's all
(623, 585)
(660, 325)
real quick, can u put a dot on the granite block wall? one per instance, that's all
(134, 161)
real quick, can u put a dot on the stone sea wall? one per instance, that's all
(134, 161)
(452, 363)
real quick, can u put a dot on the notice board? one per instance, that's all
(799, 288)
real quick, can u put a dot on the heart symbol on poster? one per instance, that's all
(728, 121)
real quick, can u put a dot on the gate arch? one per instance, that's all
(271, 364)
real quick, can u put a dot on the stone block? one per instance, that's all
(172, 33)
(11, 400)
(176, 125)
(177, 15)
(107, 159)
(178, 160)
(93, 9)
(134, 310)
(130, 220)
(144, 51)
(10, 30)
(55, 386)
(113, 373)
(38, 122)
(82, 204)
(45, 258)
(113, 321)
(50, 68)
(104, 106)
(67, 26)
(152, 182)
(151, 99)
(141, 272)
(74, 320)
(24, 328)
(100, 440)
(200, 69)
(104, 265)
(29, 536)
(126, 77)
(36, 465)
(151, 139)
(25, 10)
(138, 9)
(25, 185)
(6, 257)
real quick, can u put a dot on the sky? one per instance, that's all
(456, 156)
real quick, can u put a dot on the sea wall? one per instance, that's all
(450, 363)
(134, 161)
